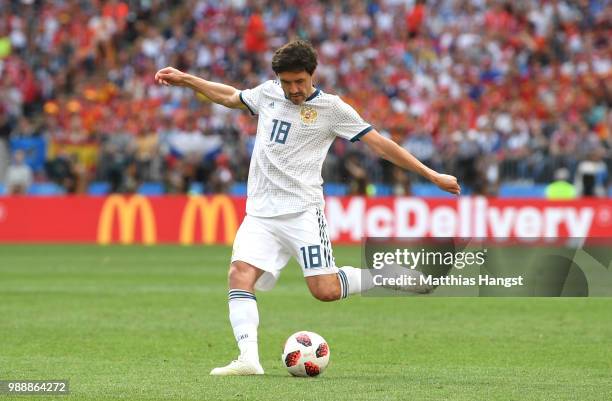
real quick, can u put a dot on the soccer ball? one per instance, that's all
(306, 354)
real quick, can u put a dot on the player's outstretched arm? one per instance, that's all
(225, 95)
(389, 150)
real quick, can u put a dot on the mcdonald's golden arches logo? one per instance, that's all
(210, 212)
(127, 210)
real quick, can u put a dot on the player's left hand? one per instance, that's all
(447, 183)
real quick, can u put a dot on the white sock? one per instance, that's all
(244, 318)
(353, 281)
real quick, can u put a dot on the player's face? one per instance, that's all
(296, 85)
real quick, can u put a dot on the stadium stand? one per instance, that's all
(500, 93)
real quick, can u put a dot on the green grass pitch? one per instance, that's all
(148, 323)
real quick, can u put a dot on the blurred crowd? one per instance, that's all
(492, 91)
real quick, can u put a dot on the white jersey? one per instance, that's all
(291, 144)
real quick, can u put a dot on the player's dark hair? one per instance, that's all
(295, 56)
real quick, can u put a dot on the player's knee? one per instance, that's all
(233, 272)
(239, 274)
(326, 294)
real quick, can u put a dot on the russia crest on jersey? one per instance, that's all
(308, 115)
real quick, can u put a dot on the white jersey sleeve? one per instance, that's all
(347, 123)
(251, 98)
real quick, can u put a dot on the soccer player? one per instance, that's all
(297, 125)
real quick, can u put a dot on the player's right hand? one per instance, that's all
(170, 76)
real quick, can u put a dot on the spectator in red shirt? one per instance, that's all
(255, 39)
(415, 18)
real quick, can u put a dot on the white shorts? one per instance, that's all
(269, 242)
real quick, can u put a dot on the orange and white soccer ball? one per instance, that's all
(306, 354)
